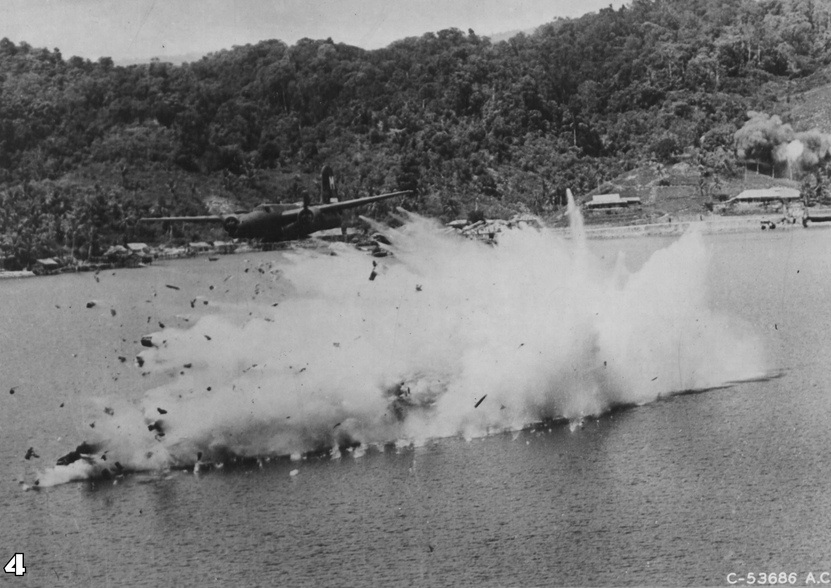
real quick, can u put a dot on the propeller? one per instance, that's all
(305, 217)
(231, 224)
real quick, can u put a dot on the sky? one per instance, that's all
(141, 29)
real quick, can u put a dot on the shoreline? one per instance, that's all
(742, 224)
(167, 255)
(720, 225)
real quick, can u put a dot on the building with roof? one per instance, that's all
(224, 246)
(610, 202)
(200, 247)
(46, 265)
(141, 251)
(775, 195)
(116, 252)
(762, 200)
(138, 248)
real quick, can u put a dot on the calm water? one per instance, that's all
(682, 491)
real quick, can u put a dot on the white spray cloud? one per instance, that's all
(452, 337)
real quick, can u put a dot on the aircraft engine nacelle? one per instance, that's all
(231, 224)
(307, 222)
(306, 219)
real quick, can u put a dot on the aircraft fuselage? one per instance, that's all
(271, 224)
(285, 222)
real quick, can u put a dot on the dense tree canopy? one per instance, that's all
(85, 148)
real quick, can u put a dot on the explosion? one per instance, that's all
(766, 139)
(451, 338)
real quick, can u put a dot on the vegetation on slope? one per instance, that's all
(87, 148)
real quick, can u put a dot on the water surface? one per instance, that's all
(680, 491)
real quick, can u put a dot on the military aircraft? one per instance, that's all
(273, 222)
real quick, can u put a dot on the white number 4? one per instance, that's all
(15, 565)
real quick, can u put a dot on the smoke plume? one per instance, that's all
(766, 139)
(449, 337)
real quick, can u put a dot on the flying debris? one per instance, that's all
(83, 451)
(274, 222)
(409, 363)
(573, 425)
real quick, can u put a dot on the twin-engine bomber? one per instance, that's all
(273, 222)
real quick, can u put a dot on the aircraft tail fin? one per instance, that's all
(328, 190)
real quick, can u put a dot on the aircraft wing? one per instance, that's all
(347, 204)
(186, 219)
(343, 205)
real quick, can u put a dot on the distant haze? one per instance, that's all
(182, 30)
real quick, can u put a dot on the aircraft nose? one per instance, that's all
(231, 225)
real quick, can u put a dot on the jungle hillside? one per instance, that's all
(471, 126)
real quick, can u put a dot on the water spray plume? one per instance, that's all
(575, 218)
(453, 337)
